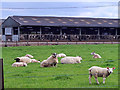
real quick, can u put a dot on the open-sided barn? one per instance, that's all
(40, 28)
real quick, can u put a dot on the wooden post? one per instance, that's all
(1, 75)
(80, 31)
(40, 32)
(116, 32)
(60, 31)
(18, 33)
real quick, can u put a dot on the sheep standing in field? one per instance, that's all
(95, 55)
(71, 60)
(99, 72)
(26, 59)
(50, 62)
(19, 64)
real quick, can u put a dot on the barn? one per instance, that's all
(49, 28)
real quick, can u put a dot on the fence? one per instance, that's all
(1, 75)
(52, 37)
(29, 43)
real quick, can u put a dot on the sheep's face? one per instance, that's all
(92, 53)
(54, 55)
(110, 70)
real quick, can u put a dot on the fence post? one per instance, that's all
(1, 75)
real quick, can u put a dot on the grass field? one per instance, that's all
(64, 75)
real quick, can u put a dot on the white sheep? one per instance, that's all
(99, 72)
(71, 60)
(50, 62)
(26, 59)
(23, 59)
(61, 55)
(19, 64)
(95, 55)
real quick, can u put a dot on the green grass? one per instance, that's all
(64, 75)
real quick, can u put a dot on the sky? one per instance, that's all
(60, 8)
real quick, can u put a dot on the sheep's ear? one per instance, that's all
(107, 67)
(113, 67)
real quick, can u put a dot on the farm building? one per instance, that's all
(40, 28)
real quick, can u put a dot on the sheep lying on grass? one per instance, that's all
(19, 64)
(95, 55)
(99, 72)
(26, 59)
(61, 55)
(71, 60)
(50, 62)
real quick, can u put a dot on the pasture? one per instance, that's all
(64, 75)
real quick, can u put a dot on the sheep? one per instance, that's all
(26, 59)
(23, 59)
(99, 72)
(61, 55)
(95, 55)
(50, 62)
(19, 64)
(71, 60)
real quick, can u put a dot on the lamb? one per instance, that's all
(23, 59)
(71, 60)
(26, 59)
(99, 72)
(95, 55)
(50, 62)
(19, 64)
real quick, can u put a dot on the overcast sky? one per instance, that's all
(64, 8)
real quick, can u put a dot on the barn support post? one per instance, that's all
(60, 31)
(18, 33)
(98, 33)
(116, 32)
(80, 31)
(1, 75)
(40, 33)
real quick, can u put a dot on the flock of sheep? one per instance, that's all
(52, 61)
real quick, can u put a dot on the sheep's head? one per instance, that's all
(80, 58)
(24, 64)
(92, 53)
(17, 59)
(54, 55)
(110, 70)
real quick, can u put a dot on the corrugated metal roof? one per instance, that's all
(65, 21)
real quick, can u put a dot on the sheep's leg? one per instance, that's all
(96, 78)
(90, 76)
(104, 79)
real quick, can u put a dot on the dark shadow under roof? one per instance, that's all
(65, 21)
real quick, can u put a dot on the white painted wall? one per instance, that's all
(8, 31)
(14, 37)
(3, 38)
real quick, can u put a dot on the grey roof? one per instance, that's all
(1, 21)
(65, 21)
